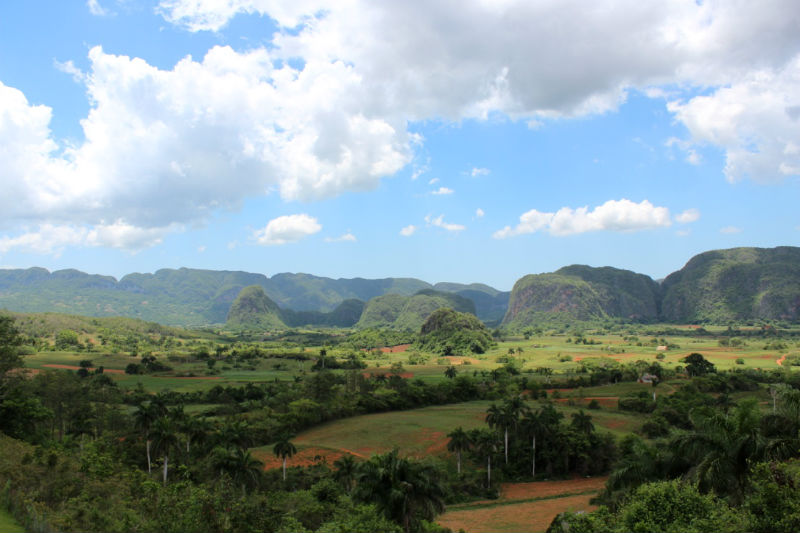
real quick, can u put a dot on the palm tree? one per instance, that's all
(402, 490)
(459, 441)
(283, 449)
(196, 429)
(582, 422)
(532, 425)
(164, 439)
(240, 465)
(143, 418)
(722, 448)
(346, 471)
(504, 417)
(486, 444)
(450, 371)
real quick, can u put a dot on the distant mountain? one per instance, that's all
(191, 297)
(735, 284)
(410, 312)
(490, 304)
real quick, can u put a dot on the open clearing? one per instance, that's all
(523, 507)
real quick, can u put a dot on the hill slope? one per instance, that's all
(580, 292)
(410, 312)
(252, 309)
(735, 284)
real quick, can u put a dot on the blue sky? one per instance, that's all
(468, 141)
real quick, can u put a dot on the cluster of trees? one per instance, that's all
(720, 467)
(520, 439)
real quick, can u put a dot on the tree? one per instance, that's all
(165, 438)
(459, 442)
(283, 449)
(722, 448)
(143, 418)
(582, 422)
(485, 443)
(450, 372)
(403, 490)
(9, 341)
(346, 471)
(697, 365)
(244, 469)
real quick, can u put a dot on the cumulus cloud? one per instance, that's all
(614, 215)
(287, 229)
(479, 213)
(443, 191)
(688, 216)
(439, 222)
(586, 61)
(756, 120)
(165, 147)
(346, 237)
(408, 231)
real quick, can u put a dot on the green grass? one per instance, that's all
(8, 524)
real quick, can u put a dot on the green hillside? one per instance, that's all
(736, 284)
(490, 304)
(252, 309)
(410, 312)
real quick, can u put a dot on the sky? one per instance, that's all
(462, 141)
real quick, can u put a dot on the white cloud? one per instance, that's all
(408, 231)
(443, 191)
(287, 229)
(433, 181)
(479, 172)
(730, 230)
(95, 8)
(440, 223)
(614, 215)
(756, 119)
(688, 216)
(52, 239)
(346, 237)
(585, 61)
(683, 232)
(479, 213)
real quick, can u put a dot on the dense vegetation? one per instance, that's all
(409, 312)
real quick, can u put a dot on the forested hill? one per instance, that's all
(736, 284)
(196, 297)
(720, 286)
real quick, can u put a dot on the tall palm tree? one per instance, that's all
(235, 433)
(196, 429)
(459, 442)
(485, 443)
(146, 413)
(165, 438)
(283, 449)
(532, 426)
(402, 490)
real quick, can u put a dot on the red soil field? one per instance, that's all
(400, 348)
(371, 373)
(781, 360)
(305, 457)
(507, 516)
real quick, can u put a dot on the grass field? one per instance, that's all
(8, 524)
